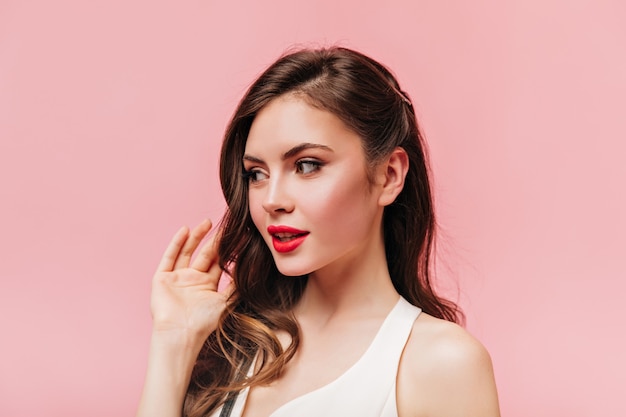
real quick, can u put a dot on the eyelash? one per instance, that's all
(314, 163)
(250, 176)
(314, 166)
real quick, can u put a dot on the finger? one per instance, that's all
(207, 255)
(173, 249)
(229, 289)
(212, 276)
(195, 237)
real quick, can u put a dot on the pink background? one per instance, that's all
(111, 115)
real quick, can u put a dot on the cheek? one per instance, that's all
(255, 207)
(341, 205)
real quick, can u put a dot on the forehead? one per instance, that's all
(289, 120)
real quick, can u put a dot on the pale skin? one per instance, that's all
(443, 372)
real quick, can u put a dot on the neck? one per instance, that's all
(355, 288)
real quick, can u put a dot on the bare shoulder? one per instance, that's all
(445, 371)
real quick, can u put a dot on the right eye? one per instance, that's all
(254, 175)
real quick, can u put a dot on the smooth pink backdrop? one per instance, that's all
(111, 115)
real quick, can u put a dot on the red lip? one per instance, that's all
(291, 238)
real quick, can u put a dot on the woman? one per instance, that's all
(328, 238)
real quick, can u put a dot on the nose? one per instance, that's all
(277, 198)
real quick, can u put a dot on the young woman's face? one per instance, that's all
(309, 193)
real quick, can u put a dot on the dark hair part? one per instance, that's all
(367, 98)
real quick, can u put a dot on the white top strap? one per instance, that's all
(367, 388)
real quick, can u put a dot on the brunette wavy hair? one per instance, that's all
(368, 99)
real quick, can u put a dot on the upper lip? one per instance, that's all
(274, 230)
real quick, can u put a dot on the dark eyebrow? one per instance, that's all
(299, 148)
(291, 152)
(252, 159)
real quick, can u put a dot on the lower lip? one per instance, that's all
(287, 245)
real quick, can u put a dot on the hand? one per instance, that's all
(185, 303)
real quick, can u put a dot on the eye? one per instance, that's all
(307, 166)
(254, 175)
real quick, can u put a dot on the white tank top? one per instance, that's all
(367, 388)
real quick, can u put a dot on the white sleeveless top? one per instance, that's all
(367, 388)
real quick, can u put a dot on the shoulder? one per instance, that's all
(445, 371)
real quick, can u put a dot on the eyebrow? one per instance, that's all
(291, 152)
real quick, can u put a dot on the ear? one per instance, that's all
(392, 174)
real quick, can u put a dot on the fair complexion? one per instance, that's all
(307, 173)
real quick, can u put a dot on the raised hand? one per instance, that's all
(185, 302)
(185, 308)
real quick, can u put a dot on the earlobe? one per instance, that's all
(395, 170)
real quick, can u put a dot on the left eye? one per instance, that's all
(307, 166)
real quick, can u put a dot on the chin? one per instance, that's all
(293, 272)
(291, 268)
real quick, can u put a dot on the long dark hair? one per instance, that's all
(368, 99)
